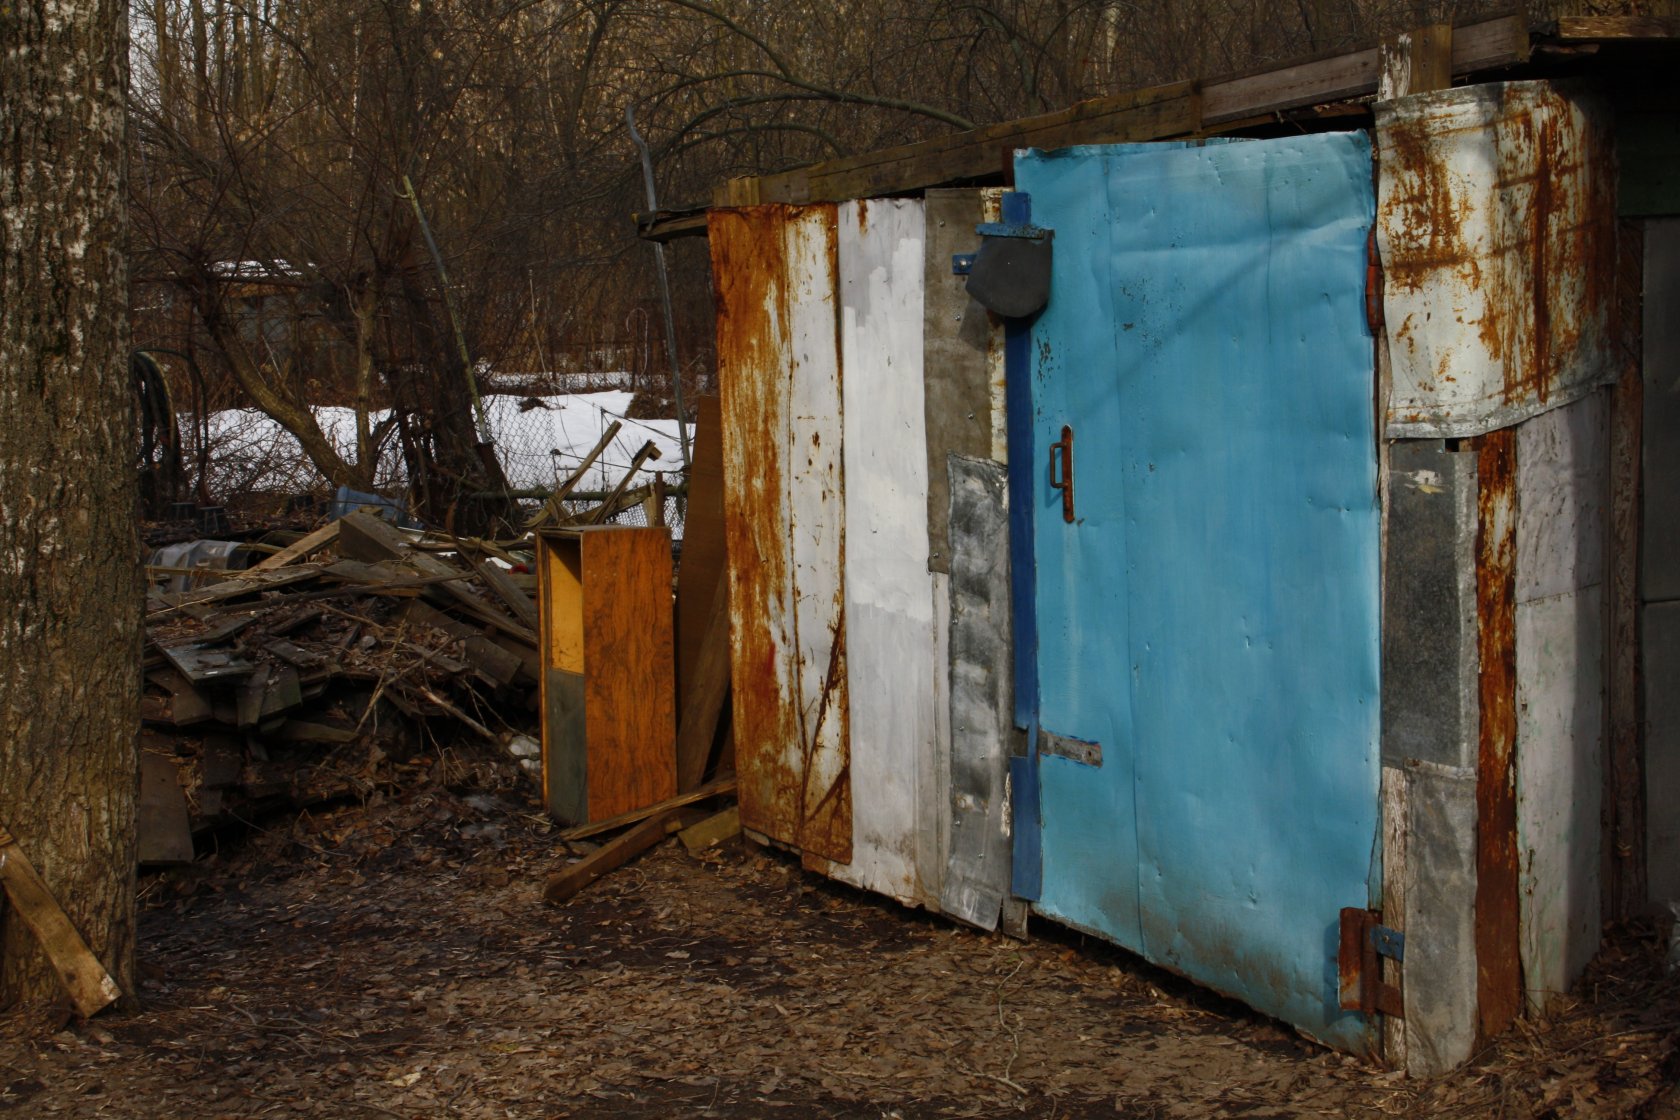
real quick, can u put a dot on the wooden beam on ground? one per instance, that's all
(297, 550)
(714, 788)
(715, 829)
(611, 855)
(704, 694)
(90, 986)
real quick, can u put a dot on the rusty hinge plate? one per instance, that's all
(1364, 942)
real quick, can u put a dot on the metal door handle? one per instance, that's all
(1061, 454)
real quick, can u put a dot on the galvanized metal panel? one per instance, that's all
(1562, 489)
(890, 641)
(1210, 616)
(962, 346)
(774, 269)
(978, 869)
(1496, 226)
(1429, 695)
(1440, 917)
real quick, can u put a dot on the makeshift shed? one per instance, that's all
(1259, 585)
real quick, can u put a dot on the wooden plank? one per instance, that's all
(1146, 114)
(629, 669)
(708, 689)
(1580, 29)
(162, 831)
(502, 586)
(364, 537)
(234, 588)
(1327, 79)
(1154, 113)
(207, 666)
(704, 553)
(610, 856)
(90, 986)
(1415, 61)
(715, 788)
(186, 704)
(297, 550)
(712, 831)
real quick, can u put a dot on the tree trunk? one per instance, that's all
(69, 573)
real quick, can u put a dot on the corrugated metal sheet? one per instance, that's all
(775, 271)
(1496, 227)
(890, 637)
(1210, 615)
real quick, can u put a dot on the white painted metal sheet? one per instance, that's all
(1496, 230)
(1562, 489)
(892, 645)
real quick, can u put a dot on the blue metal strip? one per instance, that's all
(1027, 873)
(1023, 462)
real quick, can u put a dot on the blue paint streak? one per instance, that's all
(1211, 618)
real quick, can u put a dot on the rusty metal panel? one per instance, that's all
(775, 274)
(1496, 226)
(1562, 492)
(1498, 971)
(889, 594)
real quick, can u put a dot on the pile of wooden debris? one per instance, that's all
(352, 639)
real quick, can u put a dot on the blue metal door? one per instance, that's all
(1207, 602)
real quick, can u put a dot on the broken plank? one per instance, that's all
(595, 828)
(207, 666)
(714, 830)
(501, 584)
(186, 704)
(610, 856)
(163, 834)
(294, 654)
(368, 538)
(302, 731)
(297, 550)
(705, 691)
(90, 986)
(234, 588)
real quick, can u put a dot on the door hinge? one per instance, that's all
(1364, 942)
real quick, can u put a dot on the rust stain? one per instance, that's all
(778, 751)
(1528, 260)
(1498, 964)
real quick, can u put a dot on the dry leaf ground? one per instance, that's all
(395, 959)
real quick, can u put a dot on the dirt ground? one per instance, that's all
(395, 959)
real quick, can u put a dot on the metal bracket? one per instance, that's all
(1364, 942)
(962, 263)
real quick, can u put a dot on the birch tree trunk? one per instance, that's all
(69, 577)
